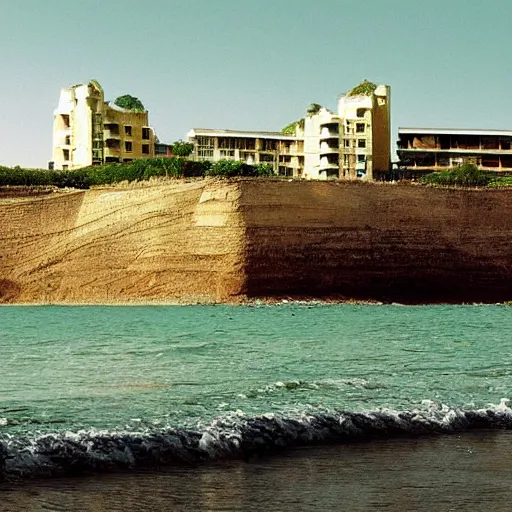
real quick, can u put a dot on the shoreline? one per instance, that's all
(252, 302)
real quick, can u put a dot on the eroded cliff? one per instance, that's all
(207, 241)
(168, 242)
(381, 242)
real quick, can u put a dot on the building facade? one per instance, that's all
(354, 142)
(424, 150)
(284, 153)
(89, 131)
(350, 144)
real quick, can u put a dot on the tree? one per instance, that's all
(365, 88)
(291, 129)
(182, 148)
(314, 108)
(130, 103)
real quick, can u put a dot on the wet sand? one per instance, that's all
(470, 472)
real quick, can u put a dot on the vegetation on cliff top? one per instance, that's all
(137, 170)
(465, 175)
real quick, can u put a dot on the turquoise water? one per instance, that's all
(123, 367)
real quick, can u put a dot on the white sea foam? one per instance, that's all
(230, 435)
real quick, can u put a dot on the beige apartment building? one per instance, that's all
(353, 143)
(423, 150)
(284, 153)
(89, 131)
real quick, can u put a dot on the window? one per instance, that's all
(128, 131)
(67, 141)
(128, 146)
(227, 153)
(65, 154)
(205, 146)
(360, 158)
(360, 128)
(145, 134)
(346, 143)
(360, 112)
(227, 143)
(145, 149)
(361, 143)
(268, 145)
(65, 167)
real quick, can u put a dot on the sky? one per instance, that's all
(251, 64)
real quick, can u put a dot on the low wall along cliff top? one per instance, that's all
(226, 240)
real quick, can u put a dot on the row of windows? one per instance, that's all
(360, 159)
(361, 143)
(128, 130)
(128, 147)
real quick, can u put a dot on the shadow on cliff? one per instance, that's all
(387, 273)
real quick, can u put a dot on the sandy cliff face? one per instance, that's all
(384, 242)
(179, 241)
(219, 240)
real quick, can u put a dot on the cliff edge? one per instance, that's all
(222, 241)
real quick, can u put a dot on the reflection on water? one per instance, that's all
(469, 472)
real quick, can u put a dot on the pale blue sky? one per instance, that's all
(252, 64)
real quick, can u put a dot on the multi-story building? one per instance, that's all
(89, 131)
(423, 150)
(354, 143)
(284, 153)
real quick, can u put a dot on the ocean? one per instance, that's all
(292, 407)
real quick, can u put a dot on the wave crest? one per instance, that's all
(231, 436)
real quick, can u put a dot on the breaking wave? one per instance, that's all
(231, 436)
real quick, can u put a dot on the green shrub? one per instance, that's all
(365, 88)
(182, 148)
(465, 175)
(130, 103)
(137, 170)
(18, 176)
(502, 181)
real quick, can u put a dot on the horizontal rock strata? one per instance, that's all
(217, 241)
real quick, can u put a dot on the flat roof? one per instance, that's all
(453, 131)
(210, 132)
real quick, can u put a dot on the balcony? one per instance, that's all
(326, 148)
(327, 163)
(112, 148)
(329, 132)
(111, 131)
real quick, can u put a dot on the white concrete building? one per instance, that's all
(353, 143)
